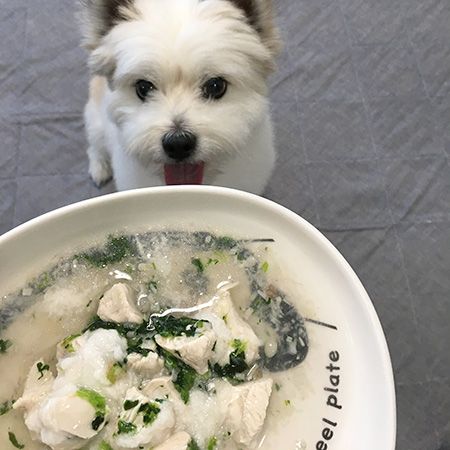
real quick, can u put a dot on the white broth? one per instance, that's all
(165, 270)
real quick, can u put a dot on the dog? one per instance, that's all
(178, 93)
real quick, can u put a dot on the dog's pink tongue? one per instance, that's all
(184, 173)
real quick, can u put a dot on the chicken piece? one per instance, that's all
(37, 387)
(178, 441)
(195, 351)
(144, 421)
(150, 365)
(161, 388)
(229, 326)
(247, 410)
(63, 420)
(70, 414)
(117, 305)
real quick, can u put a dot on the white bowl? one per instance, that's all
(355, 408)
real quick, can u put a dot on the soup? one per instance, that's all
(193, 341)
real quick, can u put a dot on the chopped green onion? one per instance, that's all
(212, 443)
(265, 266)
(114, 372)
(104, 446)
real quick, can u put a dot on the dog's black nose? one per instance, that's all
(179, 145)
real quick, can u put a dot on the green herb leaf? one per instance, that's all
(98, 420)
(184, 375)
(171, 326)
(116, 249)
(4, 345)
(41, 367)
(4, 408)
(287, 402)
(225, 242)
(150, 411)
(126, 427)
(265, 266)
(198, 263)
(13, 440)
(193, 445)
(238, 345)
(130, 404)
(237, 362)
(131, 331)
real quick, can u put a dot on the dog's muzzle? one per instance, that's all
(180, 145)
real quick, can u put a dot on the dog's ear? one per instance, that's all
(99, 16)
(260, 16)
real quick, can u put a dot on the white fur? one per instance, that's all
(178, 45)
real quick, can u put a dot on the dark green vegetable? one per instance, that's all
(171, 326)
(134, 333)
(193, 445)
(4, 345)
(225, 242)
(237, 362)
(198, 263)
(149, 411)
(126, 427)
(98, 420)
(130, 404)
(41, 367)
(4, 408)
(184, 375)
(13, 440)
(201, 265)
(115, 250)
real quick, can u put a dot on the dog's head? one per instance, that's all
(187, 77)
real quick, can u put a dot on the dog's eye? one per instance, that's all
(214, 88)
(143, 88)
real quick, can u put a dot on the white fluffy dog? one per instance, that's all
(179, 92)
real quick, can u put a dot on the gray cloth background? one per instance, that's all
(362, 111)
